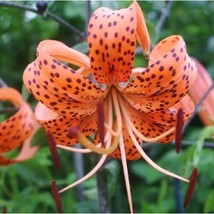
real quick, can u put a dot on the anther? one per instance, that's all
(56, 196)
(191, 187)
(53, 150)
(4, 210)
(179, 129)
(73, 131)
(101, 121)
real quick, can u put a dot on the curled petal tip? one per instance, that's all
(142, 32)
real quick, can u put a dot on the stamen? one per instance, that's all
(149, 161)
(101, 121)
(117, 113)
(4, 210)
(92, 172)
(179, 129)
(73, 149)
(73, 131)
(53, 150)
(56, 197)
(88, 144)
(191, 187)
(125, 172)
(78, 150)
(134, 129)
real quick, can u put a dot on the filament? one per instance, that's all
(134, 129)
(149, 161)
(117, 112)
(92, 172)
(125, 172)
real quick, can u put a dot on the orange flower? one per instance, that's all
(202, 84)
(18, 129)
(134, 105)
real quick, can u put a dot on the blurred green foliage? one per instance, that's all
(25, 187)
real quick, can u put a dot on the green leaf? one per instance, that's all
(193, 154)
(205, 133)
(39, 138)
(162, 193)
(81, 47)
(209, 207)
(143, 170)
(112, 176)
(25, 93)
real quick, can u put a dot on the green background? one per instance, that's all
(25, 187)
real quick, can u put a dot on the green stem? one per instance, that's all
(102, 189)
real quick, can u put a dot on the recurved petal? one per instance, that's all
(60, 88)
(59, 125)
(27, 152)
(201, 86)
(63, 53)
(169, 76)
(112, 42)
(142, 32)
(15, 130)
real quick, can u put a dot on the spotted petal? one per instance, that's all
(112, 41)
(152, 125)
(59, 87)
(170, 74)
(58, 125)
(131, 151)
(17, 129)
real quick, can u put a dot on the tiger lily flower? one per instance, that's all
(103, 102)
(202, 84)
(18, 129)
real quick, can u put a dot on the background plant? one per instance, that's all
(20, 33)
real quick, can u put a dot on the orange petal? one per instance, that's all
(62, 52)
(142, 32)
(27, 152)
(168, 117)
(152, 125)
(112, 42)
(17, 128)
(131, 151)
(58, 125)
(60, 88)
(202, 84)
(169, 76)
